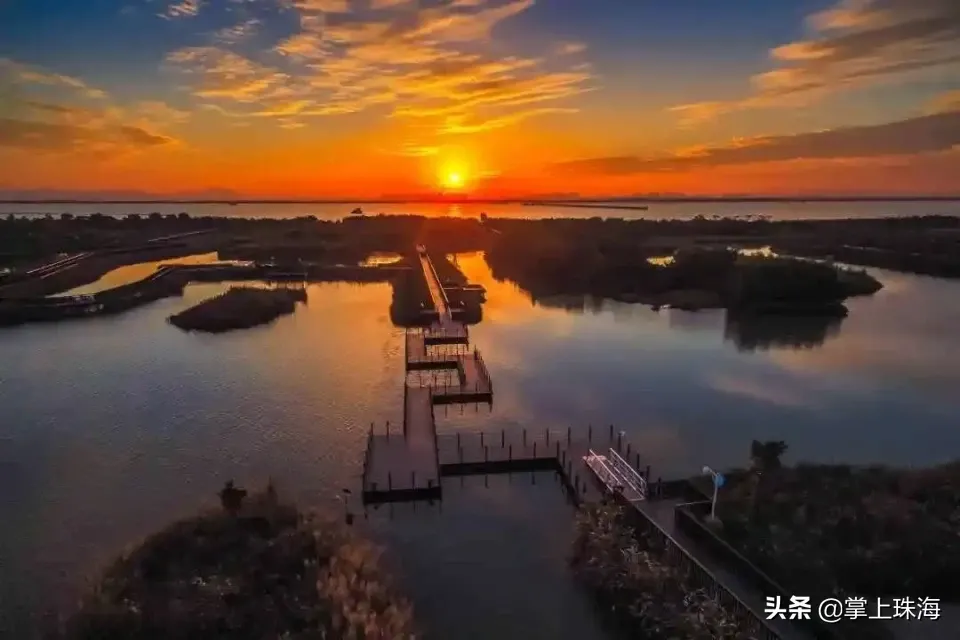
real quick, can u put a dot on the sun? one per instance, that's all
(453, 180)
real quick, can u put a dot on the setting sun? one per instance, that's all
(453, 180)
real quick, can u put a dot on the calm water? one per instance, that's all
(111, 427)
(784, 210)
(134, 272)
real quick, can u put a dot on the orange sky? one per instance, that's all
(342, 98)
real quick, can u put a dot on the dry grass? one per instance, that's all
(267, 572)
(633, 582)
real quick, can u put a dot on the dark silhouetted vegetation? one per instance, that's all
(650, 598)
(239, 308)
(696, 277)
(265, 570)
(838, 530)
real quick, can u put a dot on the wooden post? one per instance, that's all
(389, 481)
(510, 453)
(546, 435)
(503, 437)
(619, 442)
(413, 479)
(589, 433)
(534, 448)
(481, 438)
(628, 451)
(568, 435)
(647, 477)
(611, 433)
(371, 428)
(458, 439)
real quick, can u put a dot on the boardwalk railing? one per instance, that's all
(630, 475)
(702, 578)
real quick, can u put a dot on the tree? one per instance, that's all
(231, 498)
(764, 459)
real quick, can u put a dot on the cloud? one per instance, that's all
(854, 43)
(79, 119)
(945, 102)
(220, 74)
(429, 61)
(925, 134)
(414, 150)
(571, 48)
(47, 136)
(161, 112)
(238, 32)
(18, 73)
(387, 4)
(758, 391)
(182, 9)
(457, 125)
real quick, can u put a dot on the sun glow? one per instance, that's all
(453, 180)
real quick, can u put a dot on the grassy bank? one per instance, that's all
(262, 570)
(628, 573)
(238, 308)
(873, 531)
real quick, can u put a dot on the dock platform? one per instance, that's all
(390, 476)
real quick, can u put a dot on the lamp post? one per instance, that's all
(718, 481)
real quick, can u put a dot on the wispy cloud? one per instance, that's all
(853, 44)
(18, 73)
(427, 61)
(181, 9)
(945, 102)
(238, 32)
(758, 390)
(571, 48)
(79, 119)
(925, 134)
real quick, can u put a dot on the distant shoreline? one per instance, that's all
(580, 202)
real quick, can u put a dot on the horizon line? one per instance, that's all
(535, 200)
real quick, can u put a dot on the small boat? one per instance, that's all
(357, 212)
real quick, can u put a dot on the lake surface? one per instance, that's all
(135, 272)
(682, 210)
(111, 427)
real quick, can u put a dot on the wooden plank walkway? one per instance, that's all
(401, 466)
(474, 383)
(418, 358)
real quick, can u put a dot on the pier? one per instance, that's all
(406, 465)
(593, 464)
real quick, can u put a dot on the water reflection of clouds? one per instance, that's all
(903, 337)
(760, 390)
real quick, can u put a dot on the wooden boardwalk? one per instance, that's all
(513, 451)
(398, 468)
(404, 466)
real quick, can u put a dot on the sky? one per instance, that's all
(480, 98)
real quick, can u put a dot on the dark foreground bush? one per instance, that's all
(265, 571)
(627, 572)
